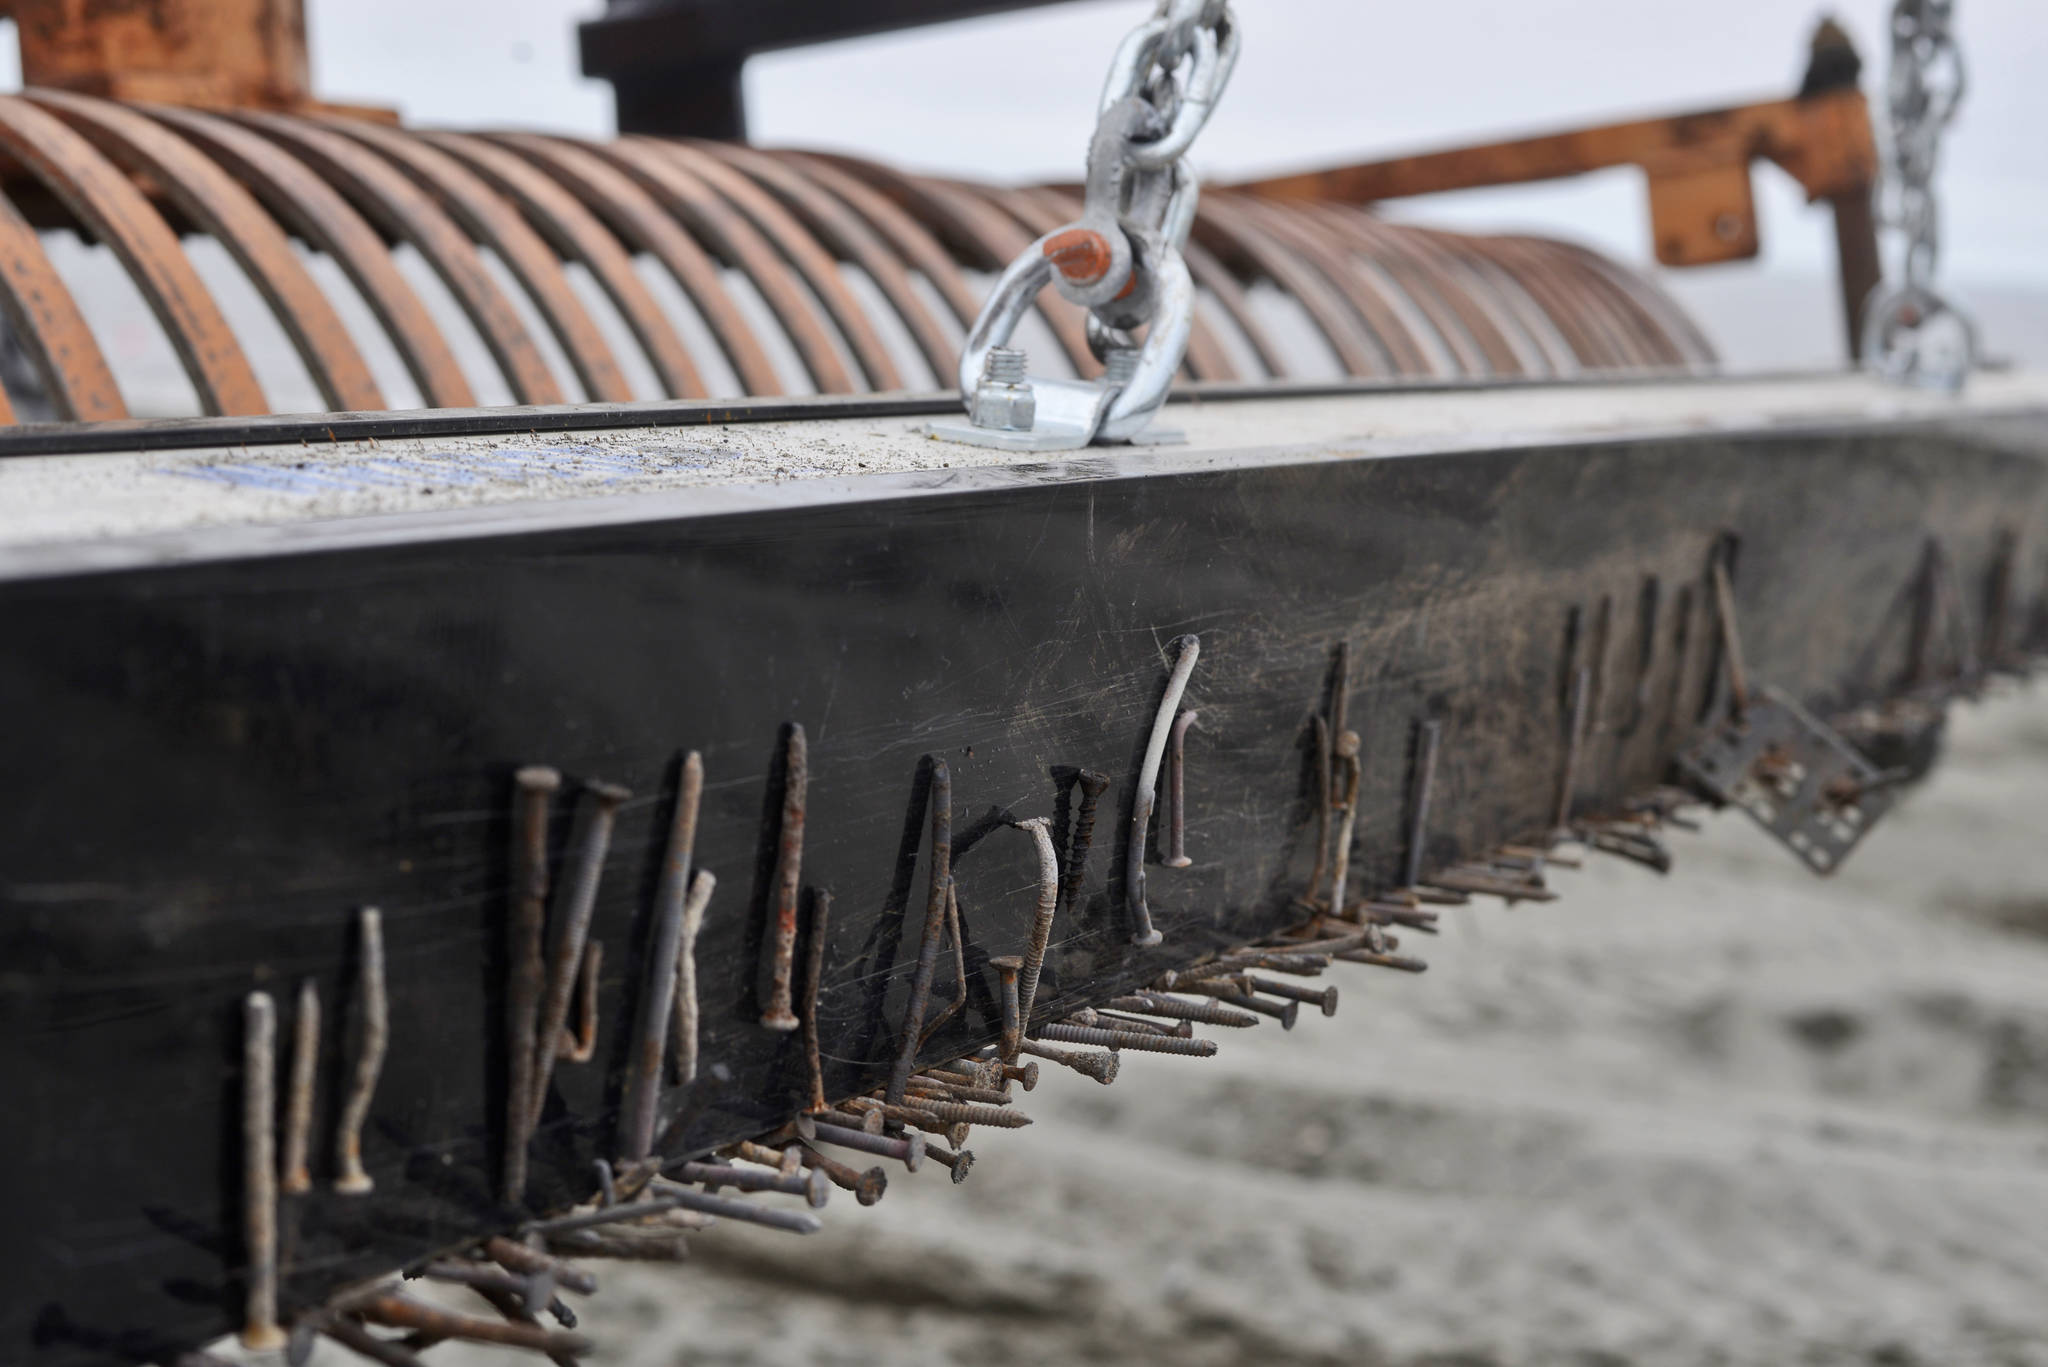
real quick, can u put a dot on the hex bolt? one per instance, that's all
(814, 973)
(1176, 794)
(1325, 998)
(1119, 365)
(1088, 1063)
(1040, 830)
(1008, 967)
(376, 1029)
(260, 1331)
(1205, 1012)
(1092, 786)
(1148, 783)
(909, 1150)
(815, 1189)
(1128, 1039)
(937, 895)
(1003, 401)
(958, 1162)
(575, 901)
(298, 1108)
(789, 856)
(664, 947)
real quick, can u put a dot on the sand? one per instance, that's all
(1740, 1115)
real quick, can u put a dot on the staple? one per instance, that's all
(1203, 1012)
(1148, 782)
(575, 900)
(788, 876)
(664, 948)
(1325, 998)
(1040, 830)
(403, 1313)
(911, 1029)
(298, 1110)
(260, 1331)
(370, 1005)
(909, 1149)
(1348, 773)
(535, 787)
(1093, 786)
(702, 884)
(1568, 781)
(1008, 967)
(1128, 1039)
(1102, 1066)
(957, 1162)
(815, 1190)
(814, 973)
(581, 1046)
(1176, 794)
(1429, 734)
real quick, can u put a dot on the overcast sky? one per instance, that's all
(1320, 80)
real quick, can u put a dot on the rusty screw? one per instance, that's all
(1086, 1062)
(298, 1110)
(1093, 786)
(1128, 1039)
(867, 1187)
(664, 955)
(1176, 794)
(789, 857)
(1008, 967)
(574, 904)
(526, 966)
(1040, 830)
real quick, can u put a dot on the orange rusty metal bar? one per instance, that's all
(45, 318)
(211, 198)
(492, 221)
(312, 208)
(407, 213)
(115, 212)
(638, 219)
(736, 240)
(820, 271)
(577, 235)
(216, 52)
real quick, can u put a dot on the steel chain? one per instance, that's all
(1121, 260)
(1912, 334)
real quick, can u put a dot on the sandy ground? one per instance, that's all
(1736, 1116)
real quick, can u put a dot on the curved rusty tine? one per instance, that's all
(1675, 331)
(213, 200)
(1639, 325)
(42, 313)
(1228, 292)
(850, 236)
(495, 223)
(577, 235)
(1050, 208)
(735, 240)
(1624, 329)
(115, 212)
(1532, 325)
(1590, 347)
(818, 267)
(408, 214)
(1466, 328)
(1488, 319)
(1307, 236)
(1227, 226)
(313, 210)
(635, 216)
(910, 238)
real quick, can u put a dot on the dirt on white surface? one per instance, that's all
(1739, 1115)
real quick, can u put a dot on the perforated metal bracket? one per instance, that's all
(1795, 777)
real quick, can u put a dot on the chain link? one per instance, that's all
(1121, 260)
(1912, 334)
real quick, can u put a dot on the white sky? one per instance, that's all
(1321, 80)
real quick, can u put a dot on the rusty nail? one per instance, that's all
(1324, 802)
(1731, 638)
(852, 1120)
(972, 1072)
(1176, 794)
(1024, 1074)
(1148, 782)
(702, 884)
(909, 1149)
(1418, 816)
(1326, 998)
(875, 1114)
(1181, 1028)
(964, 1113)
(260, 1331)
(1568, 781)
(360, 1341)
(867, 1187)
(1040, 830)
(664, 946)
(369, 1055)
(958, 1161)
(794, 1221)
(1348, 775)
(1008, 967)
(957, 1091)
(912, 1027)
(814, 973)
(789, 856)
(1204, 1012)
(815, 1189)
(514, 1256)
(1087, 1062)
(575, 900)
(1128, 1039)
(1093, 786)
(535, 786)
(298, 1108)
(444, 1324)
(662, 1248)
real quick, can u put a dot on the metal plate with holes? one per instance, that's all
(1797, 778)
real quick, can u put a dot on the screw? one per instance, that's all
(1207, 1012)
(869, 1123)
(1026, 990)
(875, 1115)
(574, 902)
(959, 1162)
(1128, 1039)
(934, 914)
(789, 856)
(1326, 998)
(1008, 967)
(260, 1332)
(1176, 794)
(534, 787)
(1148, 779)
(1088, 1063)
(298, 1110)
(1003, 401)
(939, 1091)
(369, 1056)
(664, 951)
(814, 973)
(1418, 818)
(909, 1150)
